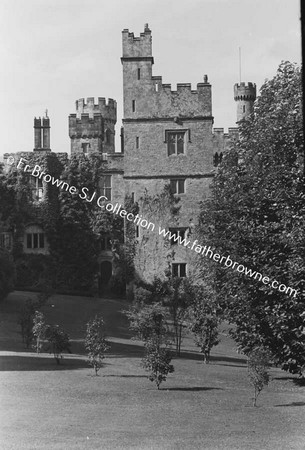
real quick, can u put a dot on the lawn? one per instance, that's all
(45, 406)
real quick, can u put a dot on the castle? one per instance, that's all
(167, 138)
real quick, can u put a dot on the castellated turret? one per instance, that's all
(92, 127)
(244, 95)
(146, 96)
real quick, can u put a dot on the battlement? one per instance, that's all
(86, 125)
(232, 131)
(137, 47)
(245, 91)
(181, 87)
(108, 109)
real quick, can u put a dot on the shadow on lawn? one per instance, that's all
(127, 376)
(193, 389)
(11, 363)
(298, 381)
(231, 360)
(292, 404)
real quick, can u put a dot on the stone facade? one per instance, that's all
(167, 139)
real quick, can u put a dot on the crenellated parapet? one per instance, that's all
(85, 126)
(137, 47)
(108, 109)
(92, 127)
(146, 96)
(222, 142)
(245, 91)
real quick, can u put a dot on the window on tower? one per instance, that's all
(85, 147)
(133, 105)
(37, 189)
(108, 136)
(177, 235)
(177, 185)
(105, 186)
(176, 141)
(179, 270)
(139, 74)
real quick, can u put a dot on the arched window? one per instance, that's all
(108, 136)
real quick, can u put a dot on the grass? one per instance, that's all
(45, 406)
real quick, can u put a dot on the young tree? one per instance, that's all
(95, 343)
(39, 329)
(205, 328)
(59, 341)
(157, 362)
(258, 370)
(257, 218)
(149, 324)
(177, 298)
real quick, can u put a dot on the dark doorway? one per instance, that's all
(106, 272)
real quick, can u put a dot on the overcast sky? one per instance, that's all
(56, 51)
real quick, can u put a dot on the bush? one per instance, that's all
(39, 329)
(95, 343)
(58, 341)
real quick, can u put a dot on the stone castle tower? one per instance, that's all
(244, 95)
(168, 137)
(92, 128)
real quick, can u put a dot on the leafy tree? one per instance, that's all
(256, 216)
(177, 297)
(204, 325)
(258, 370)
(149, 324)
(157, 362)
(95, 343)
(59, 341)
(39, 329)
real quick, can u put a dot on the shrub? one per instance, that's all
(95, 343)
(39, 329)
(58, 341)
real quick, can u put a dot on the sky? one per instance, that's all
(54, 52)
